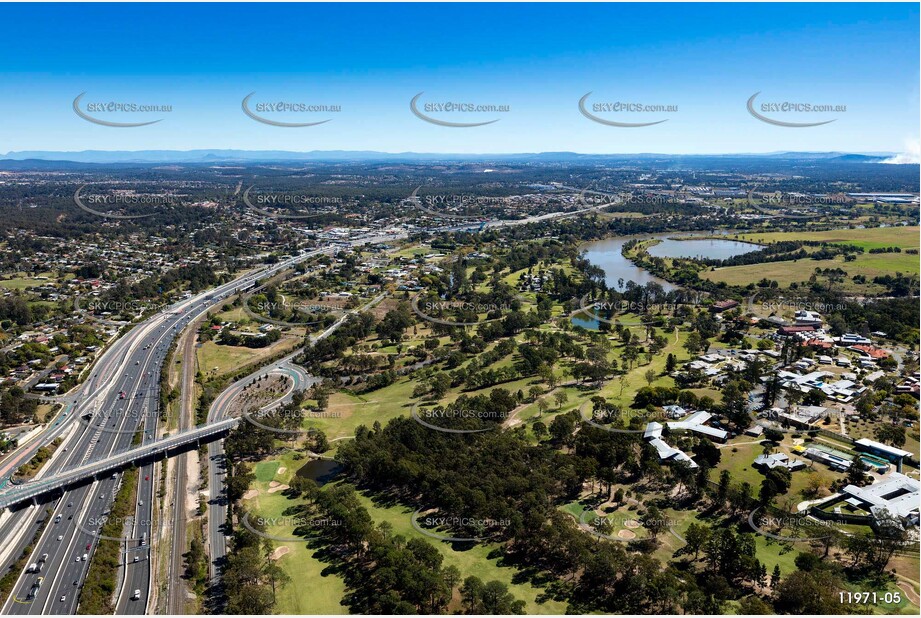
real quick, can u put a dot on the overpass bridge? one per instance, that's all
(17, 494)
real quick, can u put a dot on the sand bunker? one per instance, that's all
(632, 524)
(279, 552)
(626, 534)
(281, 470)
(277, 487)
(250, 494)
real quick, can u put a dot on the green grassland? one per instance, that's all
(227, 359)
(312, 589)
(473, 561)
(872, 238)
(21, 281)
(799, 271)
(315, 589)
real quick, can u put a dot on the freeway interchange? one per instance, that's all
(114, 410)
(117, 405)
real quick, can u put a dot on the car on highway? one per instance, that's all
(63, 598)
(136, 595)
(60, 537)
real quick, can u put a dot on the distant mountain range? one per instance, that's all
(250, 156)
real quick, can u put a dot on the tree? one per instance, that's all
(814, 397)
(560, 398)
(539, 429)
(722, 491)
(694, 343)
(655, 522)
(775, 576)
(650, 376)
(812, 592)
(696, 538)
(670, 363)
(754, 606)
(492, 598)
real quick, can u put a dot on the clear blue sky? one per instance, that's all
(539, 59)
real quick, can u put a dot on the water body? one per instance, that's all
(585, 322)
(606, 254)
(321, 471)
(709, 248)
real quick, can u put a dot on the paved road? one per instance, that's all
(223, 407)
(176, 589)
(119, 398)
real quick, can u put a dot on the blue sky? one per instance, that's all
(539, 59)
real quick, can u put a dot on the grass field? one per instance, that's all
(224, 359)
(866, 264)
(799, 271)
(872, 238)
(315, 590)
(312, 589)
(21, 283)
(472, 561)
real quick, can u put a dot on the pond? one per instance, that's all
(321, 471)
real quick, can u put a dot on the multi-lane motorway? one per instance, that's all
(102, 417)
(117, 405)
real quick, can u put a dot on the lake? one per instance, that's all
(606, 254)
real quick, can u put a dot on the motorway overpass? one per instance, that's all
(18, 494)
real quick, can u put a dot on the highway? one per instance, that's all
(120, 397)
(222, 408)
(101, 418)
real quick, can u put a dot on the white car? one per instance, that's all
(63, 598)
(60, 537)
